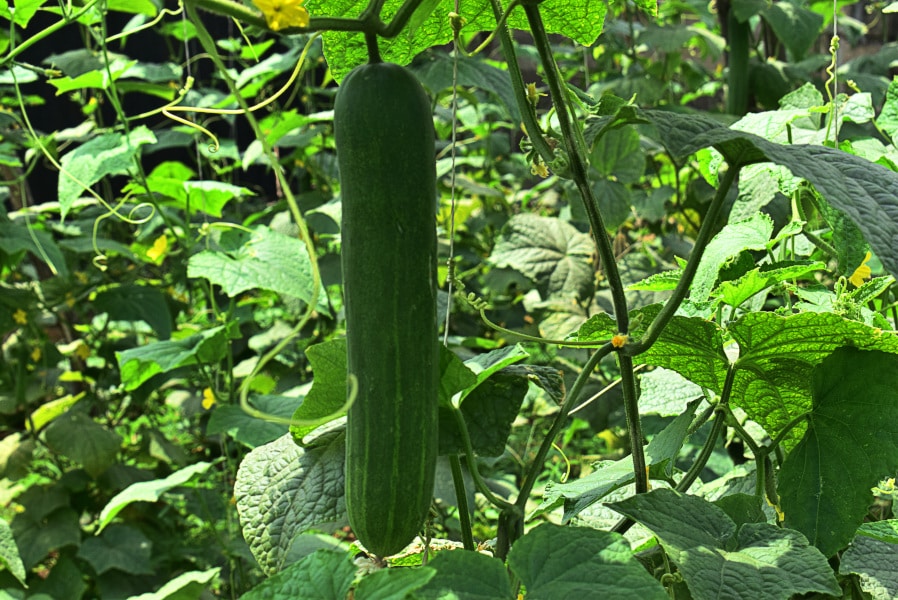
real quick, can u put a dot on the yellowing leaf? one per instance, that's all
(861, 273)
(281, 14)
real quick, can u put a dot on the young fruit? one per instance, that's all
(385, 151)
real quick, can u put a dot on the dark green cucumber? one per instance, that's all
(383, 127)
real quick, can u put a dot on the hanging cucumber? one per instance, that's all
(383, 127)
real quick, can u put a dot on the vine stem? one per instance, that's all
(560, 419)
(464, 515)
(717, 430)
(528, 115)
(209, 46)
(670, 307)
(577, 155)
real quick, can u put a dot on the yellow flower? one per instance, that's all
(82, 277)
(539, 168)
(208, 398)
(20, 317)
(158, 249)
(861, 273)
(82, 351)
(281, 14)
(35, 355)
(619, 340)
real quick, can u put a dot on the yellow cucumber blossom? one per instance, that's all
(861, 273)
(281, 14)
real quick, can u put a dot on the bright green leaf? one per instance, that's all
(185, 586)
(139, 364)
(107, 154)
(264, 259)
(9, 553)
(283, 490)
(468, 575)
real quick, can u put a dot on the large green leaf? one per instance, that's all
(189, 585)
(720, 560)
(389, 584)
(550, 252)
(795, 26)
(865, 191)
(328, 394)
(16, 237)
(560, 563)
(580, 20)
(777, 355)
(137, 365)
(283, 490)
(118, 547)
(108, 154)
(131, 302)
(872, 556)
(38, 535)
(77, 436)
(323, 575)
(851, 443)
(9, 553)
(468, 575)
(691, 346)
(148, 491)
(264, 259)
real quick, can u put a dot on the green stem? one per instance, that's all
(577, 151)
(461, 495)
(701, 241)
(634, 425)
(717, 430)
(472, 462)
(782, 434)
(528, 115)
(738, 34)
(400, 19)
(570, 401)
(46, 32)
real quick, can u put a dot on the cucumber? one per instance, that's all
(383, 127)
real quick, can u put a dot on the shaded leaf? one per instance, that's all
(555, 562)
(148, 491)
(549, 251)
(80, 438)
(132, 302)
(323, 575)
(719, 560)
(118, 547)
(873, 561)
(826, 480)
(249, 430)
(468, 575)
